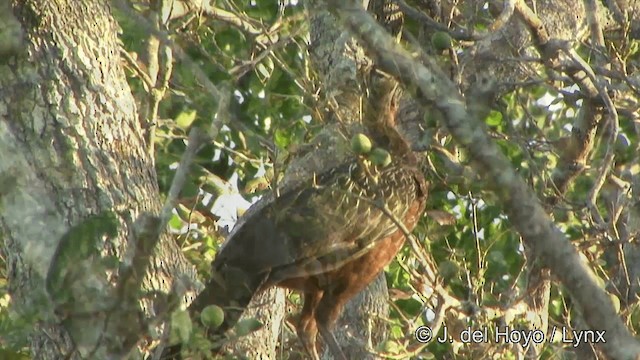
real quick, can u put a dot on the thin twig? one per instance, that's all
(423, 18)
(134, 64)
(200, 75)
(508, 8)
(614, 124)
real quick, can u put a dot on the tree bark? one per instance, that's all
(71, 147)
(339, 62)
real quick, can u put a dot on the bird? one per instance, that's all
(327, 237)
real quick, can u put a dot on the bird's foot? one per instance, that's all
(332, 343)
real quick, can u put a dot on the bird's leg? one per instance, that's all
(327, 313)
(331, 342)
(307, 328)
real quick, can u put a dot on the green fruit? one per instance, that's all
(212, 316)
(360, 144)
(380, 157)
(441, 40)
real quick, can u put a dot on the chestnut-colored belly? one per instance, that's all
(354, 276)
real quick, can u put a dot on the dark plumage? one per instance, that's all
(328, 238)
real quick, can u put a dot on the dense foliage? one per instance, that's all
(260, 47)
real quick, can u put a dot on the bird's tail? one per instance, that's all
(230, 288)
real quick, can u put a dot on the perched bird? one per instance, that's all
(328, 238)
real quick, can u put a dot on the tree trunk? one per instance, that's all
(71, 148)
(340, 62)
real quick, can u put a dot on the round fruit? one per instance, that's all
(441, 40)
(212, 316)
(380, 157)
(361, 144)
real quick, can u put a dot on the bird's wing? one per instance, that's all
(320, 225)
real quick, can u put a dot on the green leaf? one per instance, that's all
(282, 138)
(8, 354)
(247, 326)
(186, 118)
(494, 118)
(181, 327)
(410, 307)
(176, 222)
